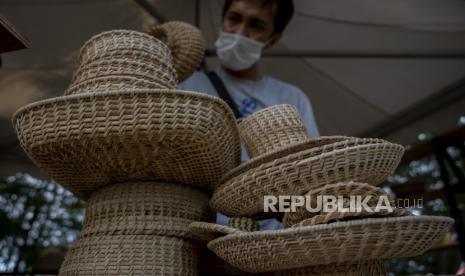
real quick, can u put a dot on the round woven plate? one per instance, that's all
(276, 154)
(364, 160)
(339, 242)
(131, 255)
(87, 141)
(145, 208)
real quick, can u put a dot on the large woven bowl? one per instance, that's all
(131, 255)
(87, 141)
(145, 208)
(364, 160)
(363, 268)
(339, 242)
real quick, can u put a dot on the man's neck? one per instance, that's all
(251, 73)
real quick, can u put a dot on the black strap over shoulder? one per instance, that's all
(223, 92)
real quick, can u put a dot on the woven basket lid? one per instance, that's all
(302, 217)
(89, 140)
(131, 255)
(186, 43)
(149, 208)
(356, 159)
(362, 268)
(339, 242)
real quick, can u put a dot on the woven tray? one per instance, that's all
(340, 242)
(145, 208)
(363, 268)
(364, 160)
(87, 141)
(131, 255)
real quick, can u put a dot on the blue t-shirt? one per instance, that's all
(251, 96)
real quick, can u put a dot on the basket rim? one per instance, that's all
(332, 226)
(131, 92)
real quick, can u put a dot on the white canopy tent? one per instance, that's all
(390, 69)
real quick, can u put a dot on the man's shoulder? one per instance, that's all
(283, 86)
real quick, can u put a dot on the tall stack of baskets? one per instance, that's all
(142, 154)
(145, 157)
(285, 161)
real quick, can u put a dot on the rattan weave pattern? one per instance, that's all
(163, 74)
(206, 231)
(112, 83)
(345, 190)
(87, 141)
(339, 242)
(131, 255)
(145, 208)
(272, 128)
(364, 160)
(244, 224)
(122, 41)
(363, 268)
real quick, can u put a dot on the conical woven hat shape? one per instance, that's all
(271, 129)
(121, 59)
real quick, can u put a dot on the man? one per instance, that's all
(250, 27)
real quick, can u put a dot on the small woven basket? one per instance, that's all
(186, 43)
(272, 128)
(131, 255)
(145, 208)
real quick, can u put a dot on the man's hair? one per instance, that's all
(284, 12)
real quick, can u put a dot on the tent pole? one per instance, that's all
(150, 9)
(431, 104)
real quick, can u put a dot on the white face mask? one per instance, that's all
(237, 52)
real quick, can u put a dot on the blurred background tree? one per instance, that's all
(35, 215)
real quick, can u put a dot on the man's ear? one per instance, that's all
(274, 39)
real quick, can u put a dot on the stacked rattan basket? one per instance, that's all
(286, 161)
(142, 154)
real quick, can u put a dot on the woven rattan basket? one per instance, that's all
(364, 160)
(339, 242)
(145, 208)
(186, 43)
(115, 83)
(131, 255)
(87, 141)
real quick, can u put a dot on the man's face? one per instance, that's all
(250, 18)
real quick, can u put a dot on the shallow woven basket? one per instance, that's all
(340, 242)
(131, 255)
(160, 73)
(363, 268)
(87, 141)
(112, 83)
(364, 160)
(346, 190)
(186, 43)
(145, 208)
